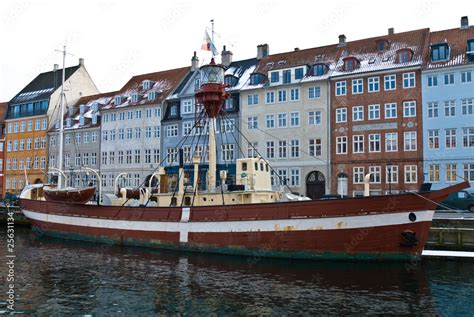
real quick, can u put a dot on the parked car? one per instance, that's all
(459, 200)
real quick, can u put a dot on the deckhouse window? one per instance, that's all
(439, 52)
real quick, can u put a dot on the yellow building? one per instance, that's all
(31, 113)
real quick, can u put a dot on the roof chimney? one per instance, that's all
(81, 62)
(226, 57)
(391, 31)
(194, 62)
(297, 49)
(262, 51)
(464, 22)
(55, 67)
(342, 40)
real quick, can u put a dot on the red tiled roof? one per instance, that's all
(457, 42)
(164, 82)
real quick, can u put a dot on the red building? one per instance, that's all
(3, 111)
(376, 116)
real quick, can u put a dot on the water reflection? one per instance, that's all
(58, 277)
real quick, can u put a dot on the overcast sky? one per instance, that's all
(119, 39)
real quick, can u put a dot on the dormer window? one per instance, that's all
(404, 55)
(350, 63)
(94, 118)
(382, 45)
(197, 84)
(134, 97)
(81, 120)
(95, 107)
(299, 73)
(319, 69)
(82, 108)
(256, 78)
(287, 76)
(230, 80)
(56, 124)
(152, 95)
(470, 50)
(118, 100)
(68, 122)
(147, 84)
(173, 110)
(275, 77)
(439, 52)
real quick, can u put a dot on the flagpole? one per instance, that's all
(212, 35)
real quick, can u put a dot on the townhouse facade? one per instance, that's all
(448, 107)
(186, 120)
(376, 114)
(285, 117)
(3, 111)
(31, 113)
(131, 128)
(81, 141)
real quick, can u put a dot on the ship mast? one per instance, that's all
(61, 118)
(212, 95)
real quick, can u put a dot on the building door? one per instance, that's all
(315, 185)
(342, 184)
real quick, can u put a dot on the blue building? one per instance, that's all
(184, 126)
(448, 107)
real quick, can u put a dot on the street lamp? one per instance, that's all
(389, 170)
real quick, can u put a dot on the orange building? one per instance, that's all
(31, 113)
(3, 111)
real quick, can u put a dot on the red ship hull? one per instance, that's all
(377, 227)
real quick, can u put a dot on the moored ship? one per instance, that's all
(248, 217)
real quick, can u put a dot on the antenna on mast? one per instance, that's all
(212, 28)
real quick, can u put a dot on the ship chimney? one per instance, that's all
(464, 23)
(263, 51)
(342, 40)
(226, 57)
(81, 62)
(391, 31)
(194, 62)
(55, 67)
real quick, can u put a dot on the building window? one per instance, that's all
(129, 133)
(341, 88)
(274, 77)
(281, 95)
(374, 112)
(314, 117)
(390, 110)
(450, 138)
(466, 77)
(314, 147)
(270, 97)
(270, 121)
(409, 109)
(449, 108)
(282, 176)
(138, 133)
(391, 174)
(411, 174)
(350, 64)
(433, 109)
(408, 80)
(451, 172)
(357, 86)
(295, 177)
(375, 174)
(294, 148)
(391, 142)
(410, 140)
(468, 137)
(187, 106)
(252, 149)
(252, 99)
(314, 92)
(358, 144)
(468, 169)
(358, 113)
(252, 123)
(374, 84)
(448, 79)
(294, 119)
(433, 173)
(270, 149)
(433, 139)
(287, 76)
(358, 175)
(282, 120)
(439, 52)
(341, 145)
(137, 156)
(341, 115)
(390, 82)
(319, 69)
(467, 106)
(172, 130)
(156, 131)
(295, 94)
(374, 142)
(227, 125)
(404, 56)
(299, 73)
(432, 81)
(171, 155)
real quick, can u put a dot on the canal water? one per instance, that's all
(56, 277)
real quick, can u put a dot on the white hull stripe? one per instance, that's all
(333, 223)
